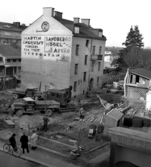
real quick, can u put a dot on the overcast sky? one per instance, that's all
(115, 17)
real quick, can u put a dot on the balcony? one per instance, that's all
(96, 57)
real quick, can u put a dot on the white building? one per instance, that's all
(57, 53)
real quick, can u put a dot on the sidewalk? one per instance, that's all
(43, 157)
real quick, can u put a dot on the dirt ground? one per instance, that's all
(64, 128)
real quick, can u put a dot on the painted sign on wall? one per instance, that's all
(58, 46)
(48, 47)
(33, 43)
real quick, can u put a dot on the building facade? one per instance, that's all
(10, 48)
(58, 53)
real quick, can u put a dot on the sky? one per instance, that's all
(115, 17)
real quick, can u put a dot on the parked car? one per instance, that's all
(30, 106)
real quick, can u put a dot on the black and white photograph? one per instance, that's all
(75, 83)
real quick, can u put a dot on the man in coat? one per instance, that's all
(45, 123)
(24, 142)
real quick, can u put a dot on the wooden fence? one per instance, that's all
(110, 78)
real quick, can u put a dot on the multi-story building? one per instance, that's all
(57, 53)
(10, 48)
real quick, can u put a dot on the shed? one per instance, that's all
(112, 119)
(136, 83)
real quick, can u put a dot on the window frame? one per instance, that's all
(75, 86)
(86, 60)
(92, 67)
(76, 69)
(77, 50)
(84, 76)
(93, 49)
(97, 82)
(87, 43)
(100, 50)
(99, 66)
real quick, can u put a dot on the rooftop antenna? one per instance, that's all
(14, 15)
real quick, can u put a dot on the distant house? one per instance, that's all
(10, 48)
(10, 60)
(109, 59)
(136, 83)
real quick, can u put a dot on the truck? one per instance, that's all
(29, 92)
(31, 106)
(63, 96)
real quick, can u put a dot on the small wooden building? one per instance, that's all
(112, 119)
(136, 83)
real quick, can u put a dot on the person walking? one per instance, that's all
(45, 123)
(12, 141)
(34, 138)
(81, 115)
(24, 142)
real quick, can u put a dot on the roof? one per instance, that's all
(11, 27)
(85, 31)
(115, 114)
(28, 99)
(10, 51)
(114, 62)
(141, 72)
(56, 91)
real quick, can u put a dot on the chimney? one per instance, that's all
(48, 11)
(57, 14)
(24, 25)
(16, 24)
(86, 21)
(76, 19)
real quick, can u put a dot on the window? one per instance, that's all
(15, 70)
(87, 43)
(19, 60)
(1, 59)
(76, 69)
(77, 50)
(76, 30)
(85, 60)
(14, 60)
(84, 76)
(19, 69)
(92, 67)
(100, 49)
(97, 81)
(8, 60)
(100, 34)
(75, 86)
(93, 50)
(99, 66)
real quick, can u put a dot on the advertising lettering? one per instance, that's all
(33, 44)
(58, 46)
